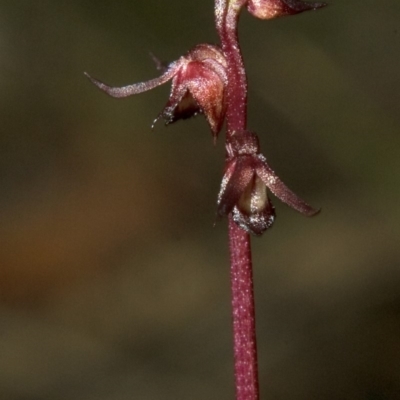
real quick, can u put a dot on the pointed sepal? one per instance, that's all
(280, 190)
(136, 88)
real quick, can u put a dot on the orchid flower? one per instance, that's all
(244, 187)
(198, 79)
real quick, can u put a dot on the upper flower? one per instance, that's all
(199, 80)
(268, 9)
(244, 186)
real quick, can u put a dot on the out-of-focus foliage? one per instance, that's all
(113, 282)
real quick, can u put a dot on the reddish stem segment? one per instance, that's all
(227, 16)
(244, 330)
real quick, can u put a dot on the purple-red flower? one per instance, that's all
(199, 82)
(244, 186)
(268, 9)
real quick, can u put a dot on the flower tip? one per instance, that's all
(102, 86)
(313, 212)
(93, 80)
(303, 208)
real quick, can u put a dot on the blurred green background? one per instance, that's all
(114, 284)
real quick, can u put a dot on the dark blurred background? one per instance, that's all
(114, 284)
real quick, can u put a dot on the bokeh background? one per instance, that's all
(114, 284)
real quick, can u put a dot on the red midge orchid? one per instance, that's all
(212, 80)
(244, 186)
(198, 78)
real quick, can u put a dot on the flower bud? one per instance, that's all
(268, 9)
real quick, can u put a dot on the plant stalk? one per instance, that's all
(227, 15)
(244, 331)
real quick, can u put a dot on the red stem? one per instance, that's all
(244, 331)
(227, 16)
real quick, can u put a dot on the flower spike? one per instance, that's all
(268, 9)
(199, 80)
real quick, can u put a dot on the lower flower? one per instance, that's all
(244, 187)
(199, 81)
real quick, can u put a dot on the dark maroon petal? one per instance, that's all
(137, 88)
(238, 175)
(280, 190)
